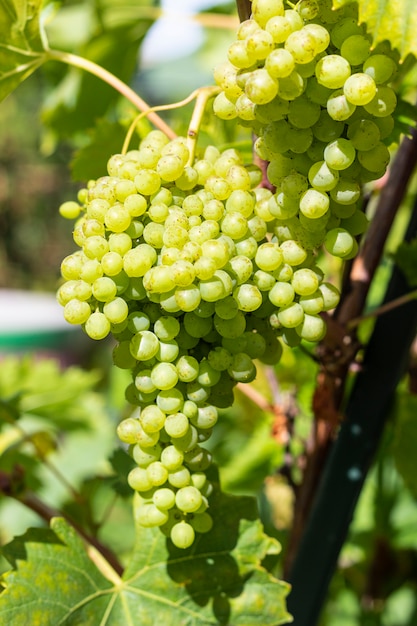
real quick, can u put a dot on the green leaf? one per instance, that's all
(392, 20)
(220, 580)
(53, 581)
(22, 49)
(79, 99)
(90, 162)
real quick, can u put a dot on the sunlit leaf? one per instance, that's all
(391, 20)
(220, 580)
(22, 48)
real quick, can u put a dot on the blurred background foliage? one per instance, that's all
(58, 449)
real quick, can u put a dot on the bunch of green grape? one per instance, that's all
(179, 263)
(316, 93)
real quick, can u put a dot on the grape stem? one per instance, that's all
(112, 80)
(204, 94)
(243, 9)
(161, 107)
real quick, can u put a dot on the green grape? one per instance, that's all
(97, 326)
(304, 282)
(322, 177)
(170, 401)
(145, 456)
(356, 224)
(339, 242)
(94, 247)
(188, 499)
(148, 515)
(230, 328)
(312, 328)
(258, 45)
(291, 315)
(248, 297)
(166, 328)
(242, 369)
(263, 10)
(164, 498)
(143, 381)
(356, 49)
(139, 480)
(179, 477)
(167, 351)
(339, 108)
(207, 375)
(144, 345)
(346, 192)
(182, 535)
(346, 27)
(158, 279)
(207, 417)
(202, 522)
(187, 368)
(331, 296)
(314, 203)
(176, 425)
(332, 71)
(152, 419)
(172, 458)
(380, 67)
(376, 159)
(383, 103)
(261, 87)
(77, 311)
(157, 473)
(269, 256)
(116, 310)
(293, 252)
(112, 263)
(359, 89)
(164, 375)
(292, 86)
(320, 33)
(339, 154)
(279, 63)
(364, 134)
(302, 45)
(70, 210)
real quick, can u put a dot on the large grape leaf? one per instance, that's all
(392, 20)
(220, 580)
(22, 46)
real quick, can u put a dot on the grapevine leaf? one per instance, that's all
(220, 580)
(388, 20)
(22, 48)
(106, 138)
(79, 99)
(53, 581)
(405, 440)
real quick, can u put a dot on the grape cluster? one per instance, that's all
(197, 271)
(316, 94)
(177, 263)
